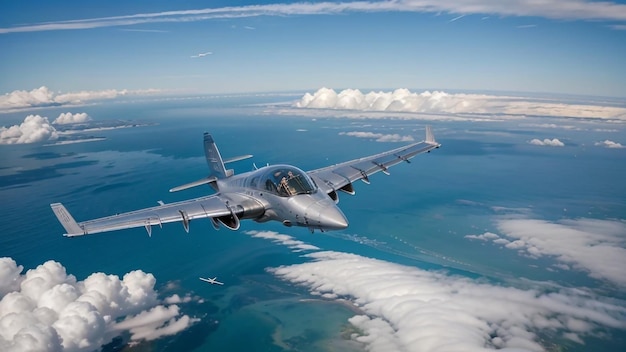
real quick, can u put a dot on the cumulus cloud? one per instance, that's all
(609, 144)
(282, 239)
(379, 137)
(68, 117)
(34, 129)
(556, 9)
(437, 102)
(409, 309)
(49, 310)
(43, 96)
(547, 142)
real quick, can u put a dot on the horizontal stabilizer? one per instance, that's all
(238, 158)
(66, 219)
(194, 184)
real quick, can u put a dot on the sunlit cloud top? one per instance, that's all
(428, 310)
(47, 309)
(439, 102)
(555, 9)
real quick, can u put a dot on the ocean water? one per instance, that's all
(418, 217)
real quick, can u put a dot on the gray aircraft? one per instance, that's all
(282, 193)
(212, 281)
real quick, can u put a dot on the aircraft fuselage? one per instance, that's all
(297, 201)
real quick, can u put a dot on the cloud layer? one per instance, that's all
(379, 137)
(48, 310)
(555, 9)
(437, 102)
(42, 96)
(409, 309)
(597, 247)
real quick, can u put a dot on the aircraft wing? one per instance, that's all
(185, 211)
(340, 176)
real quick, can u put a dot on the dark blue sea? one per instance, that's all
(486, 178)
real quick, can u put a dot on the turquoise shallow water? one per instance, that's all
(418, 216)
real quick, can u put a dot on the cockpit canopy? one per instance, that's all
(283, 180)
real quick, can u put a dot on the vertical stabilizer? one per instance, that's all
(214, 159)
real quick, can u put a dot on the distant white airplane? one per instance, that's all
(201, 55)
(212, 281)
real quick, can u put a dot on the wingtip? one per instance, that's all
(430, 137)
(67, 221)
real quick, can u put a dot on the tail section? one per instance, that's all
(214, 159)
(216, 166)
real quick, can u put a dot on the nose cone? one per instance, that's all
(319, 212)
(332, 218)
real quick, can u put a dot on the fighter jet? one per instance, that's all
(281, 193)
(212, 281)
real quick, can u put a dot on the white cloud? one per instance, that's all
(437, 102)
(409, 309)
(456, 18)
(68, 117)
(556, 9)
(609, 144)
(484, 237)
(49, 310)
(201, 55)
(42, 96)
(547, 142)
(154, 323)
(597, 247)
(175, 298)
(379, 137)
(34, 129)
(550, 125)
(285, 240)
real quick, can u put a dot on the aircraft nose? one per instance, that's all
(332, 218)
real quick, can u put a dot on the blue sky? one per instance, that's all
(558, 46)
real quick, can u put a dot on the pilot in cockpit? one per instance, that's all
(284, 186)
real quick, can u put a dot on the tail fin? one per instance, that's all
(214, 159)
